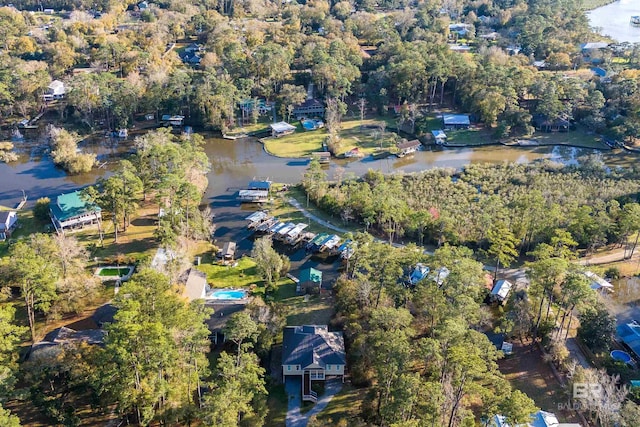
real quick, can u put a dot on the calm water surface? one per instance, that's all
(234, 163)
(613, 20)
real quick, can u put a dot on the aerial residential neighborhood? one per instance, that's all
(307, 213)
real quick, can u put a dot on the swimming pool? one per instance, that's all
(620, 355)
(229, 294)
(309, 124)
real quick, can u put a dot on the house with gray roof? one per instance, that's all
(312, 353)
(57, 339)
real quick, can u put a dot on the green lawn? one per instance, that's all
(262, 125)
(113, 271)
(298, 144)
(137, 243)
(469, 137)
(243, 275)
(579, 138)
(355, 133)
(27, 225)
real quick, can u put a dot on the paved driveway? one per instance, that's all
(293, 387)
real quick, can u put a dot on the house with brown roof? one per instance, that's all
(408, 147)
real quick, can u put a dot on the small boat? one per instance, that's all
(635, 20)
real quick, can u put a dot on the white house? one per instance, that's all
(55, 90)
(501, 290)
(8, 222)
(312, 353)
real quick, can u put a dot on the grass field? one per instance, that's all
(578, 138)
(470, 137)
(355, 133)
(243, 275)
(27, 225)
(262, 125)
(138, 242)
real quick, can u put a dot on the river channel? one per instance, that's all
(234, 163)
(614, 20)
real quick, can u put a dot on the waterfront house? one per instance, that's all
(408, 147)
(500, 291)
(310, 280)
(281, 129)
(195, 286)
(259, 185)
(456, 121)
(439, 137)
(312, 353)
(228, 252)
(8, 223)
(309, 108)
(543, 123)
(55, 90)
(70, 211)
(253, 196)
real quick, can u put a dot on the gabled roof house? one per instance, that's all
(312, 353)
(195, 286)
(70, 210)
